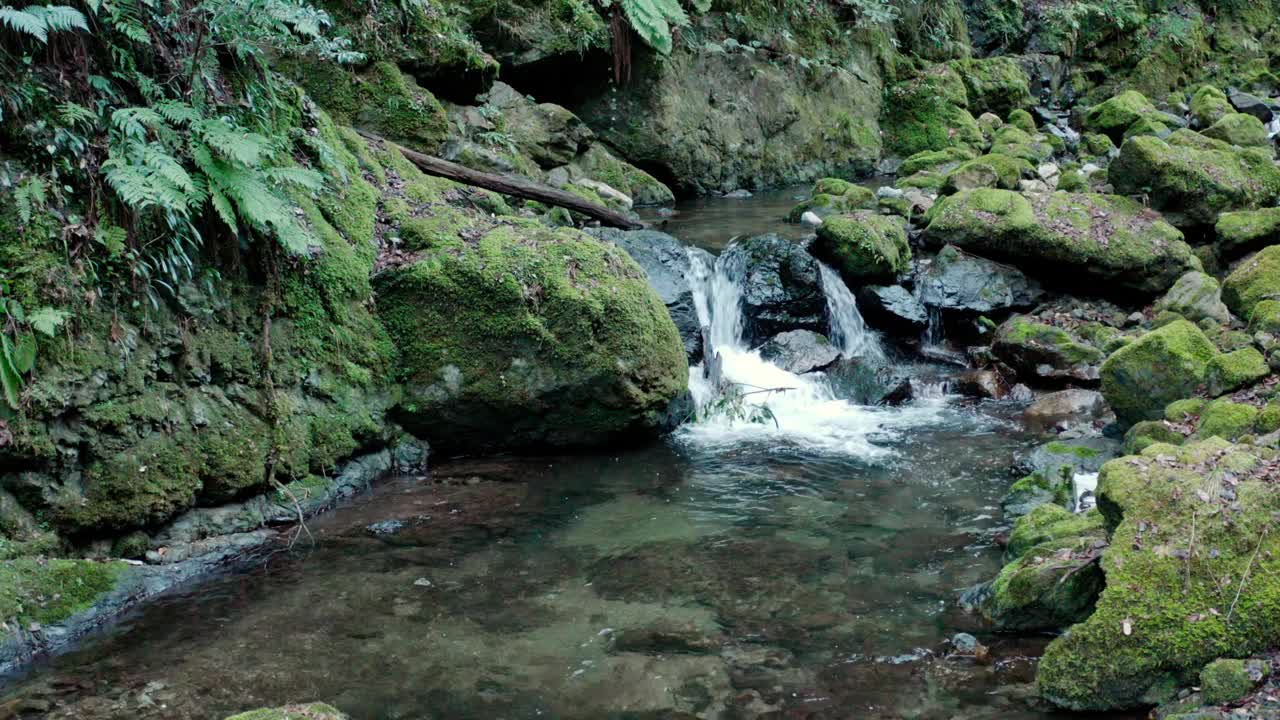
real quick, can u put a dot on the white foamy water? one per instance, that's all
(806, 411)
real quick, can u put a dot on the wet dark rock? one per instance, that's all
(1046, 353)
(1084, 455)
(800, 351)
(1252, 105)
(892, 308)
(385, 527)
(781, 286)
(960, 282)
(666, 262)
(664, 640)
(980, 384)
(900, 393)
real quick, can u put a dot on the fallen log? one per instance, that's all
(513, 185)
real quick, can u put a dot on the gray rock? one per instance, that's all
(1196, 296)
(964, 642)
(666, 262)
(892, 308)
(979, 383)
(800, 351)
(1083, 455)
(1070, 404)
(781, 286)
(959, 282)
(1252, 105)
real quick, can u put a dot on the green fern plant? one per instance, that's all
(18, 345)
(38, 21)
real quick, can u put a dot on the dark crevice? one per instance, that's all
(569, 80)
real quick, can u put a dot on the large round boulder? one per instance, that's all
(1192, 178)
(1164, 365)
(1045, 354)
(1113, 116)
(526, 338)
(960, 282)
(781, 287)
(1104, 242)
(1255, 279)
(864, 246)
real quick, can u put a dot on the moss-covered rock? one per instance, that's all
(1226, 419)
(1167, 609)
(1147, 125)
(1195, 296)
(1239, 129)
(381, 99)
(1257, 278)
(1113, 116)
(1038, 488)
(1037, 351)
(864, 246)
(1166, 364)
(996, 85)
(1209, 105)
(1182, 410)
(1247, 230)
(929, 112)
(1052, 585)
(1149, 432)
(1234, 370)
(1265, 317)
(938, 161)
(1022, 120)
(1192, 181)
(528, 337)
(1099, 237)
(993, 170)
(833, 196)
(599, 164)
(1227, 679)
(1015, 142)
(309, 711)
(47, 591)
(1048, 523)
(1097, 144)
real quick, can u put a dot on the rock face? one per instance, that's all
(960, 282)
(1164, 365)
(1192, 179)
(1164, 615)
(1037, 351)
(531, 338)
(666, 263)
(683, 114)
(781, 287)
(1255, 280)
(892, 307)
(548, 133)
(800, 351)
(1196, 296)
(1075, 238)
(929, 111)
(864, 246)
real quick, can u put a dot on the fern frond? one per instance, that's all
(134, 121)
(73, 114)
(59, 18)
(301, 177)
(24, 23)
(177, 113)
(234, 144)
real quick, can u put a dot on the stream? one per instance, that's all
(804, 567)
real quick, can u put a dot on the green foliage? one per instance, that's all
(38, 21)
(653, 20)
(18, 344)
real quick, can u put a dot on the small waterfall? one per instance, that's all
(934, 334)
(803, 409)
(848, 329)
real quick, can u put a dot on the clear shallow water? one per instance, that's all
(806, 568)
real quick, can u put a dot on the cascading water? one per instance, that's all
(804, 409)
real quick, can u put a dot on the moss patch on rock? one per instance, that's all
(1113, 116)
(1257, 278)
(1247, 230)
(48, 591)
(1164, 365)
(864, 246)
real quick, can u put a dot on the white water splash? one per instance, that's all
(1084, 486)
(807, 411)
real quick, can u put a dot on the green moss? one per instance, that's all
(1072, 181)
(1048, 523)
(1014, 142)
(1254, 280)
(1050, 586)
(1192, 178)
(832, 196)
(1034, 490)
(1100, 236)
(49, 591)
(381, 98)
(1222, 681)
(928, 112)
(1080, 451)
(1164, 365)
(1097, 144)
(1227, 420)
(864, 245)
(940, 161)
(1149, 432)
(1248, 230)
(1181, 410)
(644, 189)
(1004, 169)
(1239, 129)
(553, 336)
(1166, 610)
(997, 85)
(1209, 105)
(1147, 126)
(924, 180)
(1268, 420)
(1022, 120)
(1233, 370)
(1115, 115)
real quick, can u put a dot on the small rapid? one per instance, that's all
(747, 398)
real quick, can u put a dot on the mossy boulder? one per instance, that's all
(1022, 120)
(1097, 145)
(1234, 370)
(1114, 115)
(1183, 520)
(1255, 279)
(1048, 523)
(833, 196)
(1226, 419)
(997, 84)
(1052, 585)
(1209, 105)
(1041, 352)
(1148, 125)
(1239, 129)
(599, 164)
(41, 590)
(1038, 488)
(1015, 142)
(1192, 181)
(1265, 317)
(309, 711)
(929, 111)
(1149, 432)
(1002, 171)
(1228, 679)
(864, 246)
(940, 161)
(1247, 230)
(1195, 296)
(529, 337)
(380, 98)
(1164, 365)
(1095, 238)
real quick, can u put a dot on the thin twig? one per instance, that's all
(1245, 579)
(1191, 548)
